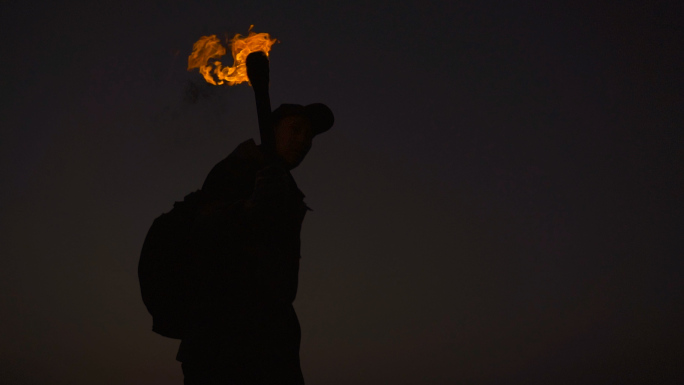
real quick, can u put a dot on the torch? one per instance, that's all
(258, 73)
(250, 57)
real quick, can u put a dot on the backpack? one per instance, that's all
(162, 269)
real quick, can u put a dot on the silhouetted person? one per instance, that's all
(244, 262)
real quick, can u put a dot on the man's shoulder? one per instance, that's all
(248, 150)
(237, 170)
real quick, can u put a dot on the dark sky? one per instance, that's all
(499, 201)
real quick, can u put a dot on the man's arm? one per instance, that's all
(248, 248)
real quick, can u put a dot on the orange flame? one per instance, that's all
(209, 47)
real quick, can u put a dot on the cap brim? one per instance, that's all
(321, 117)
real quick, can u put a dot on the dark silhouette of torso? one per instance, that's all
(245, 253)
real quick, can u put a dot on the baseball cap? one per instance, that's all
(320, 116)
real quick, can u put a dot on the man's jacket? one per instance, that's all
(245, 262)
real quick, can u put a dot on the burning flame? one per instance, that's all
(209, 47)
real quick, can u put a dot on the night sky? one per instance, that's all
(499, 201)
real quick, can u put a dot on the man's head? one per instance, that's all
(294, 128)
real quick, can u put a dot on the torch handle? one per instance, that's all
(258, 73)
(263, 106)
